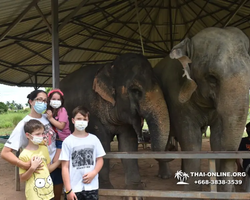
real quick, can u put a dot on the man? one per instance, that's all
(245, 167)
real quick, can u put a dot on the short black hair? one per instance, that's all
(248, 125)
(31, 96)
(32, 125)
(80, 109)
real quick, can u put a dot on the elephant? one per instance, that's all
(119, 95)
(213, 91)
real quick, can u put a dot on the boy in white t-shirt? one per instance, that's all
(82, 159)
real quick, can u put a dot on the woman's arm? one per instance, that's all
(35, 162)
(9, 156)
(53, 166)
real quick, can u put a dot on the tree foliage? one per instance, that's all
(14, 106)
(47, 89)
(3, 107)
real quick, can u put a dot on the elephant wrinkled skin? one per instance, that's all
(119, 95)
(213, 91)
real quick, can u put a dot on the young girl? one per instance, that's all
(58, 117)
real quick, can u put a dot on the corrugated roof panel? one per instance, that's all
(19, 75)
(108, 28)
(11, 9)
(13, 53)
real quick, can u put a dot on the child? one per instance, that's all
(82, 159)
(58, 117)
(38, 185)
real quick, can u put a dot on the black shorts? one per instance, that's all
(86, 195)
(56, 176)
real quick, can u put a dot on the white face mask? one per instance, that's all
(36, 140)
(80, 125)
(55, 103)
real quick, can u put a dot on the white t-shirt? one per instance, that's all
(81, 154)
(18, 138)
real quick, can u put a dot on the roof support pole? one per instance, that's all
(55, 44)
(139, 25)
(36, 82)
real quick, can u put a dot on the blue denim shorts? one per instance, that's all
(56, 176)
(59, 144)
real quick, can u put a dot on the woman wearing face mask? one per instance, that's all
(58, 117)
(38, 104)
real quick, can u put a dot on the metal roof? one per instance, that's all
(96, 31)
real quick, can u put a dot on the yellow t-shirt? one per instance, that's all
(39, 186)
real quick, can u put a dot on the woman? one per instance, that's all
(38, 104)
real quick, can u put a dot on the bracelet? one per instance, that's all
(68, 191)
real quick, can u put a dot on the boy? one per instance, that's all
(38, 185)
(82, 159)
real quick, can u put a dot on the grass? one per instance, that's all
(8, 121)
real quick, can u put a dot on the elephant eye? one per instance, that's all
(136, 92)
(212, 80)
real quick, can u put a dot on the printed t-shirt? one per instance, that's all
(81, 154)
(39, 186)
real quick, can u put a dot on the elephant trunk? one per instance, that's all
(154, 110)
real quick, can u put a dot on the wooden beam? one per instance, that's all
(235, 12)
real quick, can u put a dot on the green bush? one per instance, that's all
(2, 111)
(3, 107)
(16, 119)
(6, 125)
(10, 119)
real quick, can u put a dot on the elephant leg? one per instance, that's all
(104, 173)
(127, 141)
(105, 139)
(223, 165)
(190, 139)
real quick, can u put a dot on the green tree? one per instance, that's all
(3, 107)
(19, 106)
(47, 89)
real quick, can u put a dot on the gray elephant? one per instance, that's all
(213, 91)
(119, 95)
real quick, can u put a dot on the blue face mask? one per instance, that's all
(39, 107)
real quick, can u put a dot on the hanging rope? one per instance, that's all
(137, 16)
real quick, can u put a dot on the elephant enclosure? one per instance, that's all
(148, 171)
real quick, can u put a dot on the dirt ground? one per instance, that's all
(148, 171)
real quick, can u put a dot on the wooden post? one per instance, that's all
(17, 179)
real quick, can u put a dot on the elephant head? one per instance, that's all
(218, 77)
(129, 86)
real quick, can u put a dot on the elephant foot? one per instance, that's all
(106, 185)
(164, 171)
(138, 186)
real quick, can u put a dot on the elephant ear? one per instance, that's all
(103, 84)
(180, 52)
